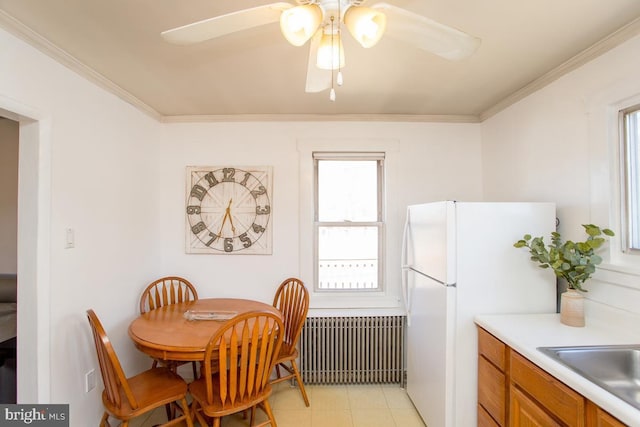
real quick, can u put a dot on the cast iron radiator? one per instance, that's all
(353, 350)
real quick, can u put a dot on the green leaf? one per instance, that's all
(596, 243)
(584, 246)
(591, 230)
(573, 261)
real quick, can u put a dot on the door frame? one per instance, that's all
(34, 213)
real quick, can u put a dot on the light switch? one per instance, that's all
(70, 239)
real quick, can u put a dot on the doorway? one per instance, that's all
(8, 257)
(33, 236)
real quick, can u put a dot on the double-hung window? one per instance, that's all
(348, 221)
(631, 178)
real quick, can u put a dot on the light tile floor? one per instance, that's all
(331, 406)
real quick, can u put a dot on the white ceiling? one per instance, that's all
(117, 43)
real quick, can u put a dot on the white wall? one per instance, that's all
(429, 162)
(559, 145)
(94, 170)
(8, 196)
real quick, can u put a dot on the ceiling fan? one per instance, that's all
(321, 22)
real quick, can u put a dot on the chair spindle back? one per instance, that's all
(113, 376)
(166, 291)
(245, 349)
(292, 299)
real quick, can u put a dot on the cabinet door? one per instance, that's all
(492, 390)
(525, 412)
(597, 417)
(558, 399)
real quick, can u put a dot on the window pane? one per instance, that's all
(632, 150)
(348, 257)
(347, 190)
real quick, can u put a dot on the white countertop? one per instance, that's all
(524, 333)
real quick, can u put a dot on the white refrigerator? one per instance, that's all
(459, 261)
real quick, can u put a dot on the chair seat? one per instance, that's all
(152, 388)
(125, 398)
(198, 390)
(287, 352)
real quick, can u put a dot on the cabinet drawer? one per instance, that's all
(492, 348)
(484, 419)
(560, 400)
(492, 390)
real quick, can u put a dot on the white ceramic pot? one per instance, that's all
(572, 308)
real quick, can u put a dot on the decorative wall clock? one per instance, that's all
(228, 210)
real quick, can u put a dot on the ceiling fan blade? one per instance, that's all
(225, 24)
(427, 34)
(317, 79)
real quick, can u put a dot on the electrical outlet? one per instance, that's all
(90, 381)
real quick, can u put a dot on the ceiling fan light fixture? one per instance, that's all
(330, 52)
(365, 24)
(300, 23)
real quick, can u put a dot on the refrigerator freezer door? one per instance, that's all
(430, 352)
(431, 243)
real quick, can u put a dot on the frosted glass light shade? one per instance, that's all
(366, 25)
(300, 23)
(330, 52)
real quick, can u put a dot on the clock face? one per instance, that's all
(228, 210)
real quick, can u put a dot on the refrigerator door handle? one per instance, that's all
(446, 285)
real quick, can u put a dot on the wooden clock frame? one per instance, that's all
(228, 210)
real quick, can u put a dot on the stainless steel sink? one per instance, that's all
(616, 368)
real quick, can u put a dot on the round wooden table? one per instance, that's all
(166, 334)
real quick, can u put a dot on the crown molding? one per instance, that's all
(322, 118)
(34, 39)
(618, 37)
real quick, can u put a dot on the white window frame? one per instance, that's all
(379, 157)
(606, 174)
(388, 300)
(629, 189)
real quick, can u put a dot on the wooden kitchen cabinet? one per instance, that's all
(513, 391)
(524, 411)
(557, 400)
(598, 417)
(492, 380)
(485, 419)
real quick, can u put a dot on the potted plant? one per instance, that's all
(574, 262)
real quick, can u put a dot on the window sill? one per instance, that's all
(362, 301)
(357, 312)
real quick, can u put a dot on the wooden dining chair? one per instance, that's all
(165, 291)
(292, 299)
(126, 398)
(244, 351)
